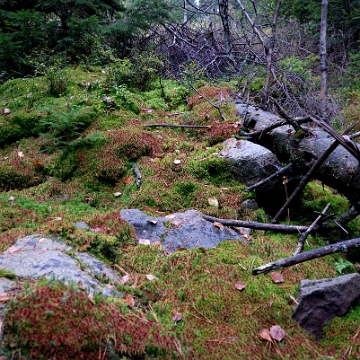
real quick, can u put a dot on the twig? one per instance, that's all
(179, 126)
(282, 171)
(257, 225)
(137, 174)
(307, 255)
(305, 234)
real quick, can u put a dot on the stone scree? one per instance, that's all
(319, 301)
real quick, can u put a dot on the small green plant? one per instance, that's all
(344, 266)
(64, 126)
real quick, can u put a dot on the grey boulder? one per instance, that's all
(319, 301)
(179, 230)
(35, 256)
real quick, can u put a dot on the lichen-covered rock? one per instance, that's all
(180, 230)
(35, 256)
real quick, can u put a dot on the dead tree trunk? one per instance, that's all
(340, 171)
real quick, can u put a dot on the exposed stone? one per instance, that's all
(82, 225)
(180, 230)
(249, 204)
(35, 255)
(319, 301)
(252, 163)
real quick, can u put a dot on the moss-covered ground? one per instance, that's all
(69, 157)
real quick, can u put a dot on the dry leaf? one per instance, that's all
(265, 334)
(20, 154)
(4, 297)
(213, 202)
(277, 333)
(6, 111)
(11, 198)
(91, 298)
(128, 180)
(144, 242)
(129, 299)
(218, 225)
(125, 279)
(170, 216)
(117, 194)
(240, 286)
(177, 222)
(277, 278)
(12, 249)
(177, 162)
(177, 317)
(151, 277)
(153, 222)
(202, 249)
(58, 218)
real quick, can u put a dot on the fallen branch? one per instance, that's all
(311, 228)
(282, 171)
(137, 174)
(179, 126)
(257, 225)
(306, 256)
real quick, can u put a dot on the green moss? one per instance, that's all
(7, 274)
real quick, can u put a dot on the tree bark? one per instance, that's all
(339, 171)
(323, 60)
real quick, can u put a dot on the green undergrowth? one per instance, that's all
(67, 156)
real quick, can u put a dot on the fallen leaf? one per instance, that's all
(177, 222)
(202, 249)
(177, 317)
(170, 216)
(277, 278)
(128, 180)
(91, 298)
(240, 286)
(151, 277)
(177, 162)
(125, 279)
(12, 249)
(218, 225)
(20, 154)
(117, 194)
(144, 242)
(4, 297)
(213, 202)
(277, 333)
(265, 334)
(129, 299)
(11, 198)
(58, 218)
(153, 222)
(6, 111)
(110, 286)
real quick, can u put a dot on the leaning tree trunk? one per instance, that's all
(340, 170)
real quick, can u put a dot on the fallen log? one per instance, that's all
(339, 171)
(307, 255)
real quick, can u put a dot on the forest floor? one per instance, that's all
(68, 158)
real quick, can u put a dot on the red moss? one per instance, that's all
(60, 323)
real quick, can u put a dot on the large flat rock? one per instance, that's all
(35, 256)
(179, 230)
